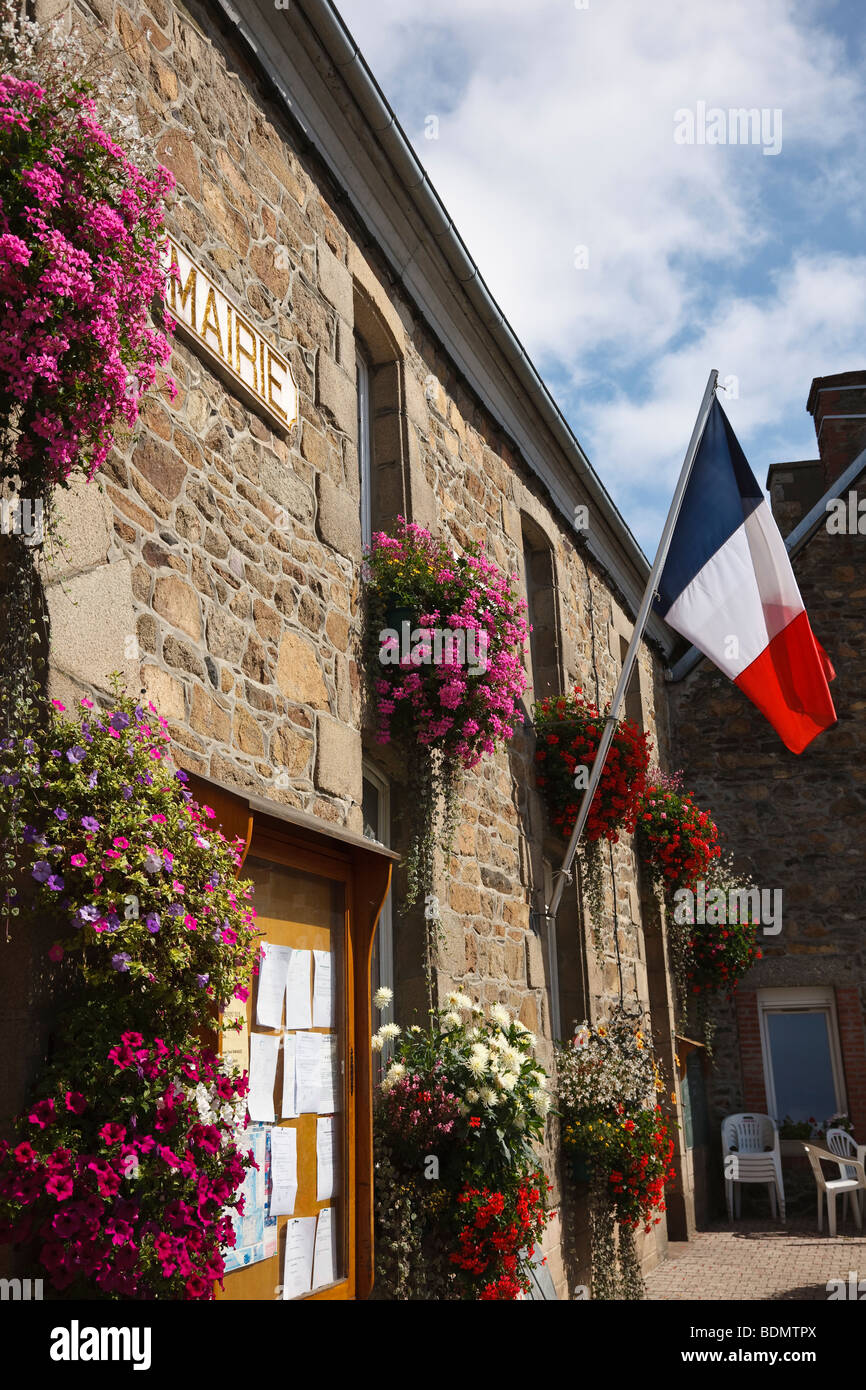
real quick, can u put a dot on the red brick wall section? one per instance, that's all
(852, 1037)
(751, 1055)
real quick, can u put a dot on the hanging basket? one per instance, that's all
(568, 732)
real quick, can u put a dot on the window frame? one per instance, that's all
(365, 444)
(809, 999)
(384, 940)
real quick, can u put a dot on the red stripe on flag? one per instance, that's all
(788, 683)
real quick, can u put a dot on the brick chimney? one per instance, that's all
(837, 405)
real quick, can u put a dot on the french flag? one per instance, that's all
(727, 585)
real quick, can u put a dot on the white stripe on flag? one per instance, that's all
(746, 591)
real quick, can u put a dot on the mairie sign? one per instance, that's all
(223, 333)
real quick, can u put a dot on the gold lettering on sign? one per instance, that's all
(210, 323)
(273, 381)
(218, 330)
(245, 350)
(187, 291)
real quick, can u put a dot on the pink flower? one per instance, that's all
(42, 1113)
(75, 1102)
(55, 952)
(112, 1133)
(78, 861)
(59, 1187)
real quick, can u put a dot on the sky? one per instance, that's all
(629, 255)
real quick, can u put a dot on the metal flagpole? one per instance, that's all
(564, 874)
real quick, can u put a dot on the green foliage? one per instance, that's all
(101, 838)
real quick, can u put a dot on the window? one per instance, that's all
(802, 1058)
(382, 423)
(632, 704)
(365, 448)
(377, 826)
(542, 609)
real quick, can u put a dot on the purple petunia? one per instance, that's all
(126, 792)
(60, 813)
(10, 779)
(176, 910)
(31, 836)
(55, 883)
(90, 824)
(41, 870)
(76, 753)
(88, 913)
(119, 720)
(92, 779)
(152, 864)
(152, 922)
(202, 980)
(121, 960)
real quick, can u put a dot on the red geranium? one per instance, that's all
(679, 841)
(569, 731)
(496, 1228)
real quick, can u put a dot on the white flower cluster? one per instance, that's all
(607, 1063)
(387, 1031)
(496, 1052)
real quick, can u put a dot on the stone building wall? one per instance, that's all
(216, 562)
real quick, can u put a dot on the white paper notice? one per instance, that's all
(298, 1265)
(289, 1106)
(264, 1048)
(298, 1012)
(331, 1076)
(284, 1171)
(323, 997)
(325, 1158)
(325, 1256)
(272, 985)
(309, 1050)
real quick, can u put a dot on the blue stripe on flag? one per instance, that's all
(722, 491)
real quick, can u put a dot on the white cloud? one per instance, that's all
(810, 323)
(556, 131)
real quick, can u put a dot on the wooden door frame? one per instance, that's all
(366, 869)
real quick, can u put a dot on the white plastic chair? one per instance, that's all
(840, 1141)
(833, 1186)
(751, 1153)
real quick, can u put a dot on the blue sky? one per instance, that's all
(556, 132)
